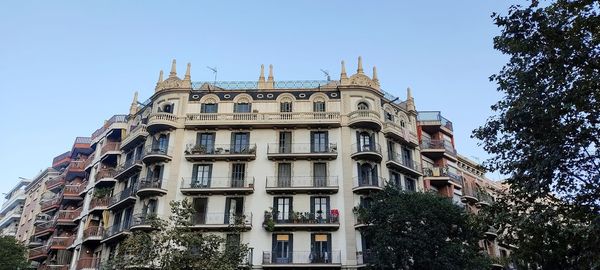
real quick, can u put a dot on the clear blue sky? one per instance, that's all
(67, 66)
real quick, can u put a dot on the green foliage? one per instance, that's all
(173, 245)
(13, 255)
(102, 192)
(413, 230)
(546, 133)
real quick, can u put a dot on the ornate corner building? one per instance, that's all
(291, 159)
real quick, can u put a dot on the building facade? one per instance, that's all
(289, 159)
(12, 209)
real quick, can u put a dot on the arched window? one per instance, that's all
(363, 106)
(210, 106)
(168, 108)
(285, 106)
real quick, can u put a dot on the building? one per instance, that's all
(290, 159)
(33, 194)
(12, 209)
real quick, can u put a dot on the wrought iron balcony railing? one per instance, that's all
(302, 257)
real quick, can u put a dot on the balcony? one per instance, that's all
(365, 119)
(154, 154)
(162, 121)
(368, 184)
(136, 135)
(60, 243)
(71, 192)
(221, 221)
(302, 259)
(491, 233)
(484, 198)
(38, 253)
(128, 168)
(143, 221)
(302, 185)
(42, 218)
(469, 192)
(151, 187)
(302, 221)
(116, 232)
(363, 257)
(105, 176)
(93, 234)
(434, 121)
(99, 204)
(88, 264)
(35, 242)
(75, 169)
(395, 131)
(67, 217)
(55, 183)
(123, 198)
(217, 185)
(301, 151)
(256, 119)
(442, 175)
(89, 162)
(50, 205)
(436, 149)
(83, 188)
(110, 148)
(10, 216)
(226, 152)
(404, 165)
(370, 152)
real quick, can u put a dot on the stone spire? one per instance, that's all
(261, 78)
(133, 109)
(359, 70)
(188, 77)
(374, 78)
(173, 73)
(410, 101)
(270, 80)
(160, 77)
(343, 75)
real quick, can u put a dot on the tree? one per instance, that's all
(410, 230)
(545, 133)
(13, 255)
(173, 244)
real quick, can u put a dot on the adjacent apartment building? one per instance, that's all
(12, 209)
(298, 155)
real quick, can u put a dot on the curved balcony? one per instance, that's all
(154, 154)
(365, 119)
(404, 165)
(301, 221)
(217, 185)
(92, 234)
(436, 149)
(151, 187)
(105, 176)
(123, 198)
(441, 175)
(143, 221)
(255, 119)
(484, 198)
(135, 136)
(302, 259)
(199, 152)
(301, 151)
(162, 121)
(222, 221)
(128, 168)
(397, 132)
(491, 233)
(370, 152)
(302, 185)
(99, 204)
(469, 194)
(115, 232)
(368, 184)
(38, 253)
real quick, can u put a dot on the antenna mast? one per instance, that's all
(214, 70)
(326, 72)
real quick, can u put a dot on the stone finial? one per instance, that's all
(261, 77)
(343, 75)
(409, 93)
(188, 77)
(133, 109)
(410, 101)
(270, 78)
(160, 77)
(374, 78)
(359, 70)
(173, 73)
(270, 84)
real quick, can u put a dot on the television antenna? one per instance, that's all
(214, 70)
(326, 72)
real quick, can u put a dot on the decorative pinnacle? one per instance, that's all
(270, 78)
(160, 76)
(360, 69)
(173, 69)
(343, 75)
(187, 72)
(409, 93)
(375, 79)
(262, 73)
(135, 99)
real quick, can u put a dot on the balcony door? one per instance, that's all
(240, 142)
(161, 144)
(319, 141)
(206, 142)
(284, 175)
(201, 175)
(367, 175)
(285, 142)
(319, 174)
(200, 205)
(282, 206)
(319, 207)
(234, 209)
(238, 174)
(321, 248)
(365, 141)
(283, 248)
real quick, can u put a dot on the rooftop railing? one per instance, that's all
(433, 117)
(276, 117)
(248, 85)
(115, 119)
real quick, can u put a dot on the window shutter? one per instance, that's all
(195, 173)
(162, 169)
(312, 204)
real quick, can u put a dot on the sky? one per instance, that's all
(67, 66)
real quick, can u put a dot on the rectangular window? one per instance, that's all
(238, 174)
(285, 142)
(240, 142)
(410, 184)
(234, 210)
(242, 107)
(209, 108)
(391, 150)
(282, 207)
(201, 175)
(285, 107)
(282, 248)
(284, 175)
(407, 157)
(319, 106)
(205, 142)
(319, 141)
(320, 174)
(395, 179)
(319, 208)
(200, 205)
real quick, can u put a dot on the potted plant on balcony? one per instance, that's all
(269, 222)
(319, 217)
(102, 192)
